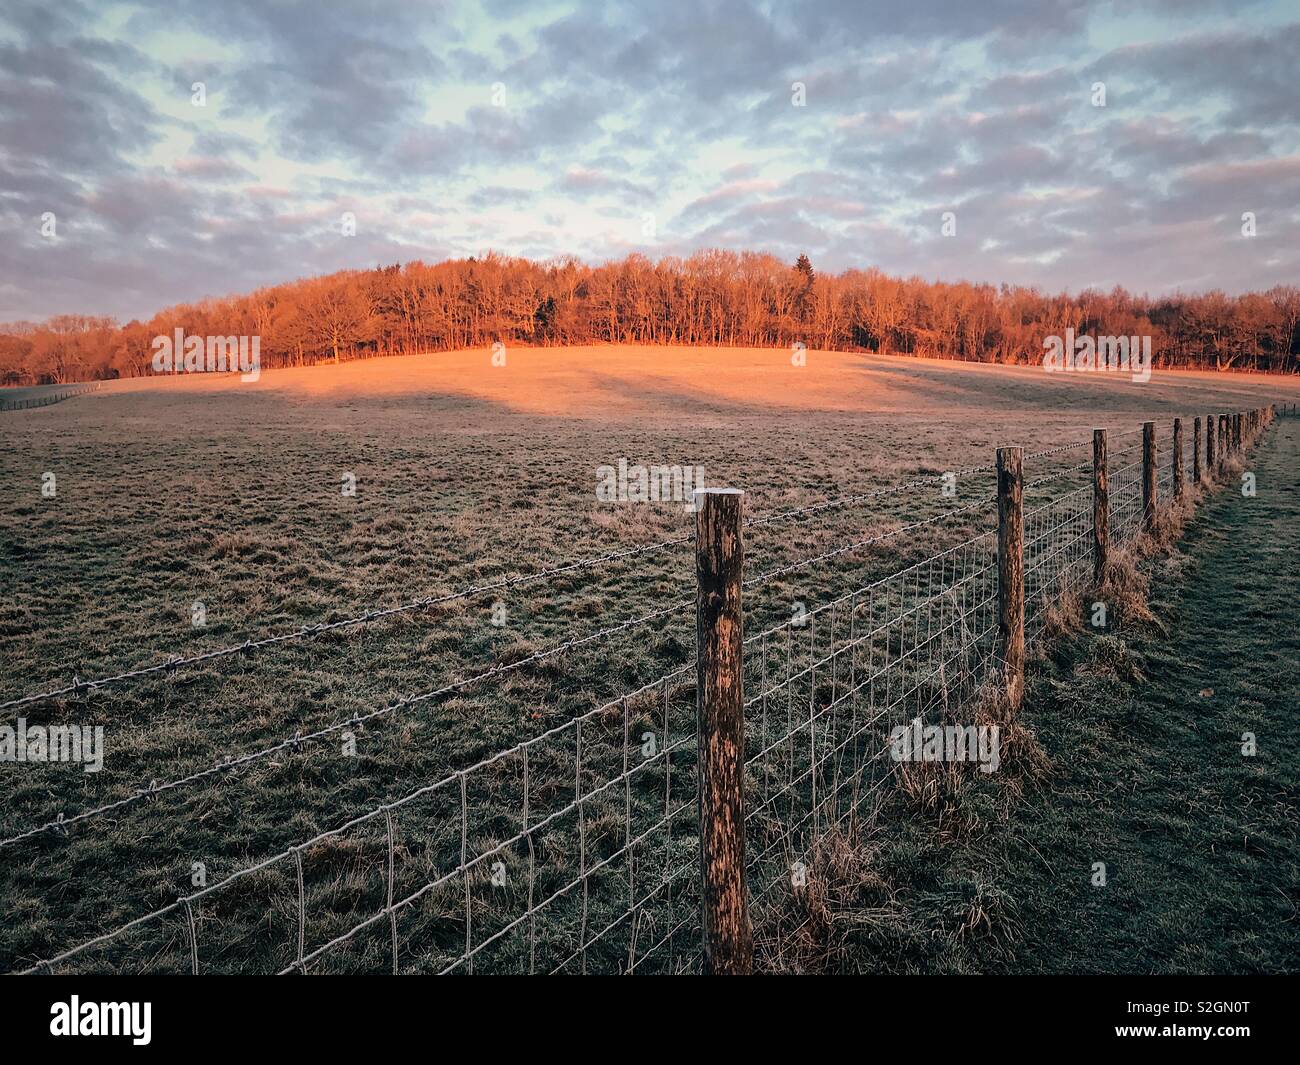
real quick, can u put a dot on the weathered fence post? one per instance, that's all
(1148, 475)
(1236, 432)
(1177, 458)
(1011, 571)
(1100, 505)
(1196, 450)
(720, 716)
(1223, 440)
(1209, 445)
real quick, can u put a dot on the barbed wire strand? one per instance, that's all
(62, 823)
(333, 626)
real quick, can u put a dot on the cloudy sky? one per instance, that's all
(538, 129)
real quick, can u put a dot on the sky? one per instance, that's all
(161, 151)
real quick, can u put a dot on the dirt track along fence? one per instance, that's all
(670, 829)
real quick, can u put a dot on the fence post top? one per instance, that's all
(718, 492)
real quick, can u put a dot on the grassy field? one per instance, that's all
(204, 490)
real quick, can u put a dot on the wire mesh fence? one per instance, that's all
(45, 399)
(578, 849)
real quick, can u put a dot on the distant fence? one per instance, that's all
(672, 829)
(44, 400)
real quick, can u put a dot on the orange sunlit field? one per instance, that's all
(613, 382)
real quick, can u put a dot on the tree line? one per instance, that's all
(716, 298)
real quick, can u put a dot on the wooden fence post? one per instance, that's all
(1236, 432)
(1177, 458)
(720, 717)
(1223, 440)
(1196, 450)
(1148, 475)
(1011, 571)
(1209, 445)
(1100, 505)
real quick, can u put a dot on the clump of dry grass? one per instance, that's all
(848, 915)
(985, 912)
(844, 896)
(1062, 615)
(1167, 525)
(937, 790)
(1111, 655)
(1124, 588)
(1023, 757)
(945, 792)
